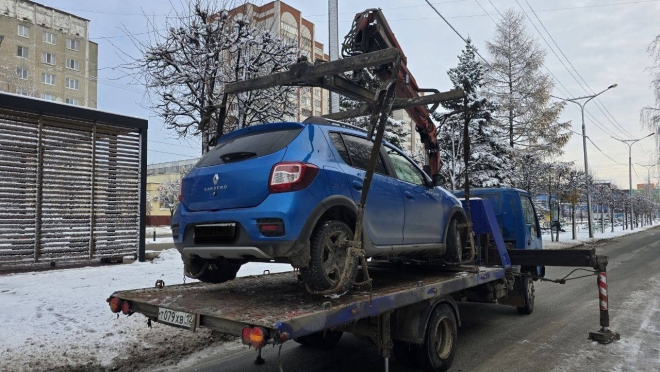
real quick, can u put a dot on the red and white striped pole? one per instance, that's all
(604, 335)
(602, 292)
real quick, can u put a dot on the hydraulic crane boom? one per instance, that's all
(369, 33)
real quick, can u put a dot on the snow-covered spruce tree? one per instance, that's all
(489, 162)
(395, 130)
(522, 91)
(186, 63)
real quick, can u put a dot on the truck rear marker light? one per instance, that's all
(115, 304)
(291, 176)
(257, 337)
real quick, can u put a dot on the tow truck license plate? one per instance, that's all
(178, 318)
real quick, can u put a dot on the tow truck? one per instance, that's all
(407, 308)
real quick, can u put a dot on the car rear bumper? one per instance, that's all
(247, 243)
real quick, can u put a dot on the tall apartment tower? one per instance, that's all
(291, 26)
(46, 53)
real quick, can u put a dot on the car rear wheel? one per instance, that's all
(328, 257)
(212, 271)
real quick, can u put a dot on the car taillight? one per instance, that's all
(181, 191)
(255, 336)
(291, 176)
(115, 304)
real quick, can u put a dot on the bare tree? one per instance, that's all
(16, 80)
(650, 115)
(186, 62)
(522, 91)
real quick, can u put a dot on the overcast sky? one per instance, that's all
(605, 41)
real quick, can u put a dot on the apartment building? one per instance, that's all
(289, 23)
(46, 53)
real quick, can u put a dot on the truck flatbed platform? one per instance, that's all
(280, 301)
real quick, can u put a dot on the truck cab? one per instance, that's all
(516, 217)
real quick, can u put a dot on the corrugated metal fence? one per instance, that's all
(71, 183)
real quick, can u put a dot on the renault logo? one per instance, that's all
(215, 179)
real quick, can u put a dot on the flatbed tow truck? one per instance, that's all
(404, 307)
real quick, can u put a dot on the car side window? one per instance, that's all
(359, 150)
(405, 170)
(340, 146)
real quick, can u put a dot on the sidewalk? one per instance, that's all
(566, 241)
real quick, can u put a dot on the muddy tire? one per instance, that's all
(406, 353)
(454, 251)
(528, 290)
(212, 271)
(320, 340)
(328, 257)
(437, 352)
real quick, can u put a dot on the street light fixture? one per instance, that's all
(584, 146)
(631, 142)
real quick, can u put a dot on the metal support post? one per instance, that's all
(384, 338)
(605, 335)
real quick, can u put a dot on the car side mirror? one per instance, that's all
(439, 180)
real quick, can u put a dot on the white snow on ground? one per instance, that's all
(60, 318)
(566, 241)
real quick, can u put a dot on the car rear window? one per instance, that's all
(249, 146)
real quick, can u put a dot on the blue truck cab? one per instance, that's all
(516, 217)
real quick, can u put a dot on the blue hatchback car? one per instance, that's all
(288, 192)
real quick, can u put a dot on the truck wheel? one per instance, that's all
(212, 271)
(528, 290)
(320, 340)
(437, 352)
(328, 257)
(454, 250)
(406, 353)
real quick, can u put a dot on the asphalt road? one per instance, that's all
(497, 338)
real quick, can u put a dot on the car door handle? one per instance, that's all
(357, 185)
(409, 195)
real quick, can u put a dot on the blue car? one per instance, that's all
(288, 192)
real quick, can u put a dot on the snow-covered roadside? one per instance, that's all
(566, 241)
(58, 320)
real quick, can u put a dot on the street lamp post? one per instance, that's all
(631, 142)
(576, 100)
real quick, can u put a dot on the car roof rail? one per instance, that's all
(326, 121)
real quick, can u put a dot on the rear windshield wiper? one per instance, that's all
(236, 156)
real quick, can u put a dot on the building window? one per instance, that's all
(48, 58)
(72, 83)
(48, 79)
(22, 51)
(72, 64)
(22, 72)
(23, 31)
(49, 38)
(72, 101)
(49, 97)
(73, 44)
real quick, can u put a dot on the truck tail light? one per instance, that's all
(257, 337)
(291, 176)
(115, 304)
(126, 308)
